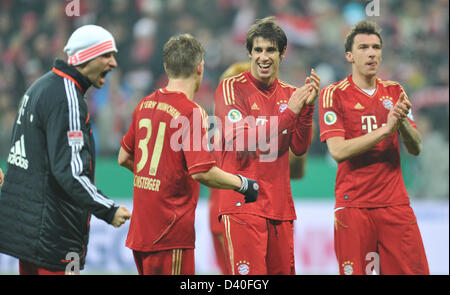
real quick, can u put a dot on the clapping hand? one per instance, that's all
(399, 112)
(314, 82)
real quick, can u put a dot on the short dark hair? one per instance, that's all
(266, 28)
(362, 27)
(181, 55)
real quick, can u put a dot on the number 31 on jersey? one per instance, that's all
(157, 149)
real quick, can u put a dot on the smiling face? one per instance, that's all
(365, 55)
(96, 69)
(265, 60)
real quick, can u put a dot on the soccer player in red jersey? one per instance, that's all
(296, 167)
(165, 148)
(214, 224)
(360, 119)
(255, 104)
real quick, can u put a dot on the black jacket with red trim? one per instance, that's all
(49, 193)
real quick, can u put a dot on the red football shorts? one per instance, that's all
(27, 268)
(258, 246)
(386, 240)
(166, 262)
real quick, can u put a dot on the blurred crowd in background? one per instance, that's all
(415, 53)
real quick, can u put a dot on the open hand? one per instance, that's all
(314, 81)
(308, 93)
(299, 97)
(399, 112)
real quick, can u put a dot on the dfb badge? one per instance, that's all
(330, 118)
(234, 115)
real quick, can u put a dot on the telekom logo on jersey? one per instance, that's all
(205, 135)
(369, 123)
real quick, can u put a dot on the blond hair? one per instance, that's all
(235, 69)
(181, 55)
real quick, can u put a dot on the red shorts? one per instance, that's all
(166, 262)
(386, 240)
(258, 246)
(27, 268)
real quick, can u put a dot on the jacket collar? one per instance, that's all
(61, 68)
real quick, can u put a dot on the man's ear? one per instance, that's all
(349, 57)
(283, 54)
(200, 67)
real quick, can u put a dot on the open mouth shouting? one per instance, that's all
(103, 76)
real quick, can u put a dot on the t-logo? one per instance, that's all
(369, 123)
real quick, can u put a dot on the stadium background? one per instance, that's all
(415, 38)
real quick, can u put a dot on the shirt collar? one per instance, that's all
(262, 86)
(61, 68)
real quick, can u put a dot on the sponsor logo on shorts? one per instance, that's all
(347, 266)
(243, 267)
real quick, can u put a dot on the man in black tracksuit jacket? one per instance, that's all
(48, 193)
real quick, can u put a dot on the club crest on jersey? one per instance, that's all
(243, 267)
(282, 105)
(387, 102)
(75, 138)
(347, 266)
(330, 118)
(234, 115)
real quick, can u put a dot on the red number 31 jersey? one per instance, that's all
(165, 139)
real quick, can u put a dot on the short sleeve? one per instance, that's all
(331, 121)
(195, 148)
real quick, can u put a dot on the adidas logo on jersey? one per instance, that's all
(17, 154)
(358, 106)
